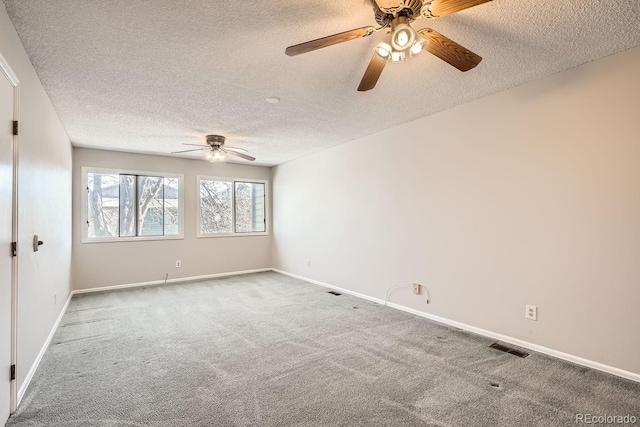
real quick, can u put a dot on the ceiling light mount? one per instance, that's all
(215, 140)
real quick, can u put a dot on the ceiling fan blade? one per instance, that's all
(186, 151)
(439, 8)
(329, 41)
(449, 51)
(372, 74)
(196, 145)
(235, 149)
(233, 153)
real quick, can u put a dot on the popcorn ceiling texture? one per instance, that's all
(147, 76)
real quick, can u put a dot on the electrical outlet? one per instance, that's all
(178, 264)
(308, 263)
(417, 288)
(531, 312)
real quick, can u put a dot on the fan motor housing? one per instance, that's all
(215, 140)
(410, 8)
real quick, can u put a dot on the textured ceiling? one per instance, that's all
(146, 76)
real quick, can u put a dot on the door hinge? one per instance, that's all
(14, 248)
(15, 127)
(12, 373)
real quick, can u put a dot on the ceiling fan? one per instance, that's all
(216, 150)
(402, 41)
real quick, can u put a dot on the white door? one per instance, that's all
(6, 227)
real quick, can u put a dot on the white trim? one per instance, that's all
(216, 235)
(515, 341)
(116, 171)
(14, 278)
(162, 282)
(36, 363)
(132, 239)
(90, 169)
(200, 235)
(7, 71)
(335, 288)
(521, 343)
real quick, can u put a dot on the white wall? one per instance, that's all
(117, 263)
(44, 206)
(529, 196)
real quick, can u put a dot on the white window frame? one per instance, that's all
(86, 170)
(233, 206)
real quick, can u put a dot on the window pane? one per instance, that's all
(130, 205)
(150, 205)
(250, 212)
(127, 205)
(215, 206)
(102, 206)
(171, 206)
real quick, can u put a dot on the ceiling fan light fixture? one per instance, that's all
(403, 37)
(384, 50)
(397, 56)
(216, 151)
(417, 47)
(215, 155)
(387, 52)
(219, 156)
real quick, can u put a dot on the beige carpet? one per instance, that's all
(268, 350)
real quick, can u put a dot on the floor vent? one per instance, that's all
(334, 293)
(509, 350)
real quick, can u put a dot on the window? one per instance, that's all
(123, 205)
(229, 207)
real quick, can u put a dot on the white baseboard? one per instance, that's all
(504, 338)
(326, 285)
(162, 282)
(36, 363)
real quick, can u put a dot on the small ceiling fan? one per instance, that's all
(217, 151)
(402, 41)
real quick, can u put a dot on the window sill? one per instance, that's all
(206, 236)
(132, 239)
